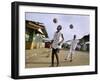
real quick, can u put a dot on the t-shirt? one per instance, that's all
(56, 39)
(74, 44)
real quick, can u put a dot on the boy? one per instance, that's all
(72, 48)
(56, 45)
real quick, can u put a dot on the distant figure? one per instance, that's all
(56, 45)
(72, 49)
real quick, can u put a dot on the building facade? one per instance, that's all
(34, 34)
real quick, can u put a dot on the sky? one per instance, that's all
(80, 23)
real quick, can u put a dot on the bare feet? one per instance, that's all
(70, 60)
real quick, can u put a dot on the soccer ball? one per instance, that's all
(71, 26)
(55, 20)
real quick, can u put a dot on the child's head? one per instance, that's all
(59, 27)
(74, 36)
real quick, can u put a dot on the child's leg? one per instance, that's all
(68, 55)
(57, 58)
(52, 58)
(71, 57)
(73, 51)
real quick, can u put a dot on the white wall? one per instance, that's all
(5, 40)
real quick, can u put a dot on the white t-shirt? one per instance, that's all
(56, 39)
(73, 45)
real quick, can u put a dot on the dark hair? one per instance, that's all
(60, 27)
(74, 36)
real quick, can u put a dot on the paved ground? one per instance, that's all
(42, 58)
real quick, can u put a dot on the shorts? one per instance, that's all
(55, 51)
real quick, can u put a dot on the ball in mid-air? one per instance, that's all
(71, 26)
(55, 20)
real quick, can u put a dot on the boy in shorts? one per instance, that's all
(56, 45)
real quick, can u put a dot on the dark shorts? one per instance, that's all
(55, 50)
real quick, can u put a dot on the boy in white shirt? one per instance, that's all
(56, 44)
(72, 48)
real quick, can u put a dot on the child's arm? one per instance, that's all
(61, 40)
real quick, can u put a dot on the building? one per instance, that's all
(84, 42)
(34, 34)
